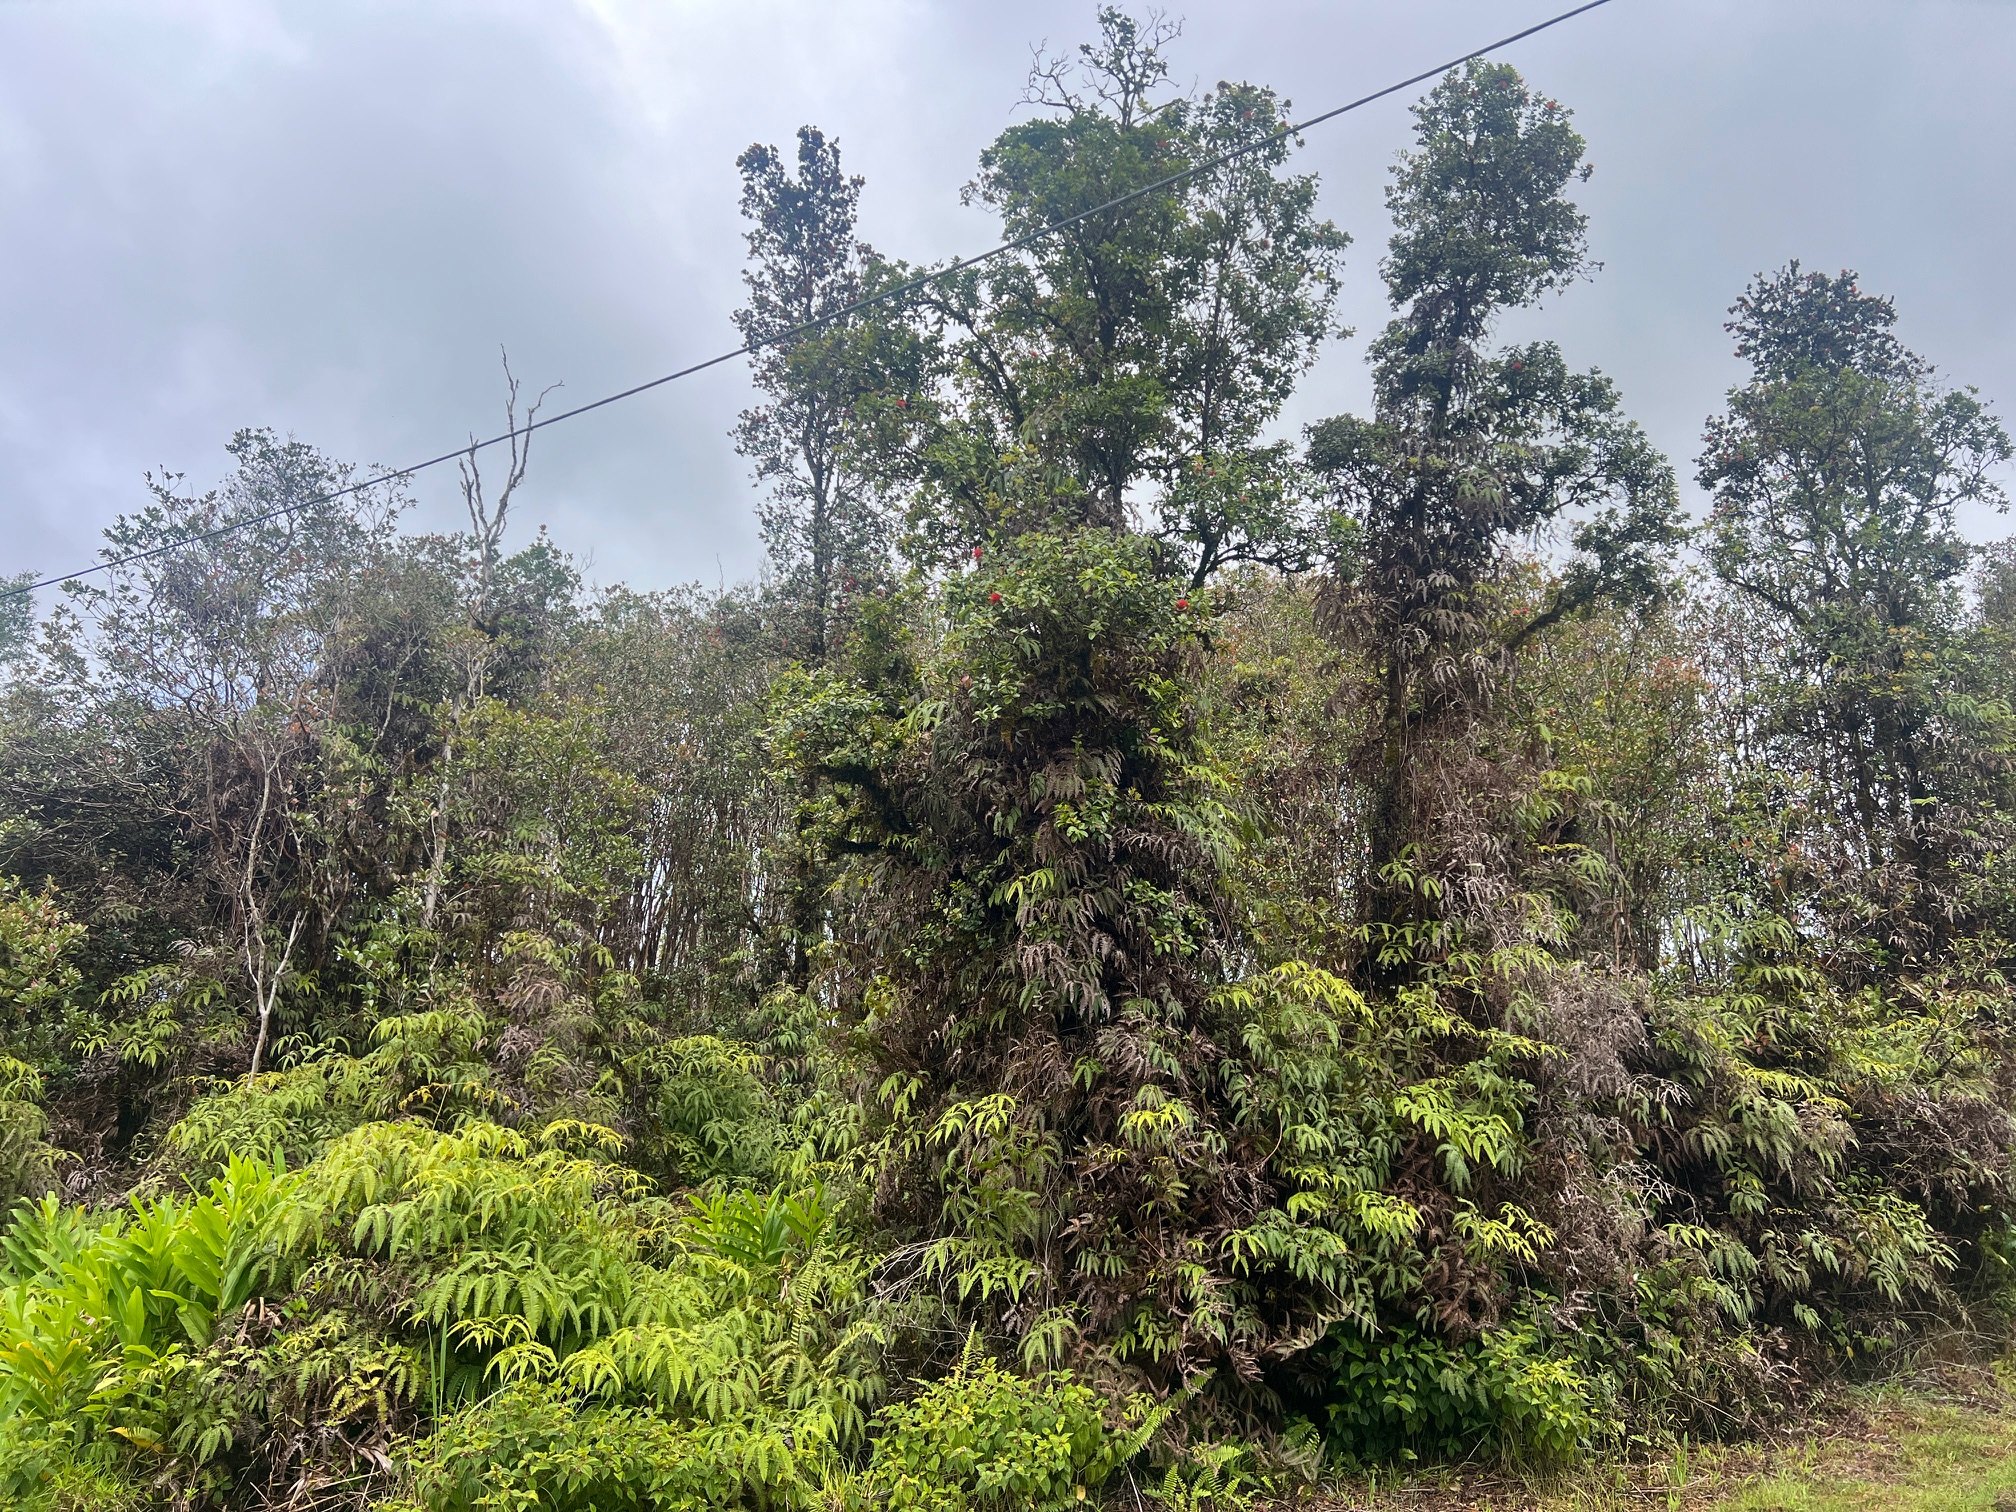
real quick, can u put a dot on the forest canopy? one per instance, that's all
(1149, 950)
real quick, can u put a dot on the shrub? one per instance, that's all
(38, 977)
(294, 1113)
(982, 1437)
(710, 1113)
(1409, 1395)
(534, 1445)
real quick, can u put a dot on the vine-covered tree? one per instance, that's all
(1043, 920)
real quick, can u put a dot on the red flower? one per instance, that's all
(1182, 603)
(976, 553)
(993, 598)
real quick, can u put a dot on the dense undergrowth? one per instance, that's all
(1140, 957)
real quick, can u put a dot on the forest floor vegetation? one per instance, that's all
(1937, 1438)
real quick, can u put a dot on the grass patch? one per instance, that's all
(1944, 1444)
(1917, 1457)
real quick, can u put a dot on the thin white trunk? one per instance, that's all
(269, 993)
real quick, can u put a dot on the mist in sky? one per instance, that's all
(327, 218)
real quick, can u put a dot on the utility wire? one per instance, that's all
(885, 296)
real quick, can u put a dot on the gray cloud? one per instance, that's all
(326, 218)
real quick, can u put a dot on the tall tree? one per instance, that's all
(1837, 471)
(820, 522)
(226, 657)
(1125, 369)
(1471, 451)
(17, 614)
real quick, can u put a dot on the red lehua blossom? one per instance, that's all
(993, 598)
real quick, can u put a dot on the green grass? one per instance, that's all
(1951, 1449)
(1943, 1458)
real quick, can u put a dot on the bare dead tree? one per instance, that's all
(488, 519)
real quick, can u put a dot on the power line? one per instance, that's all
(885, 296)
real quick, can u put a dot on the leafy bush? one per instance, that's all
(711, 1112)
(982, 1438)
(38, 975)
(1215, 1476)
(1409, 1395)
(293, 1114)
(535, 1445)
(102, 1318)
(526, 1291)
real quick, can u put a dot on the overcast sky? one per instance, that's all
(326, 217)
